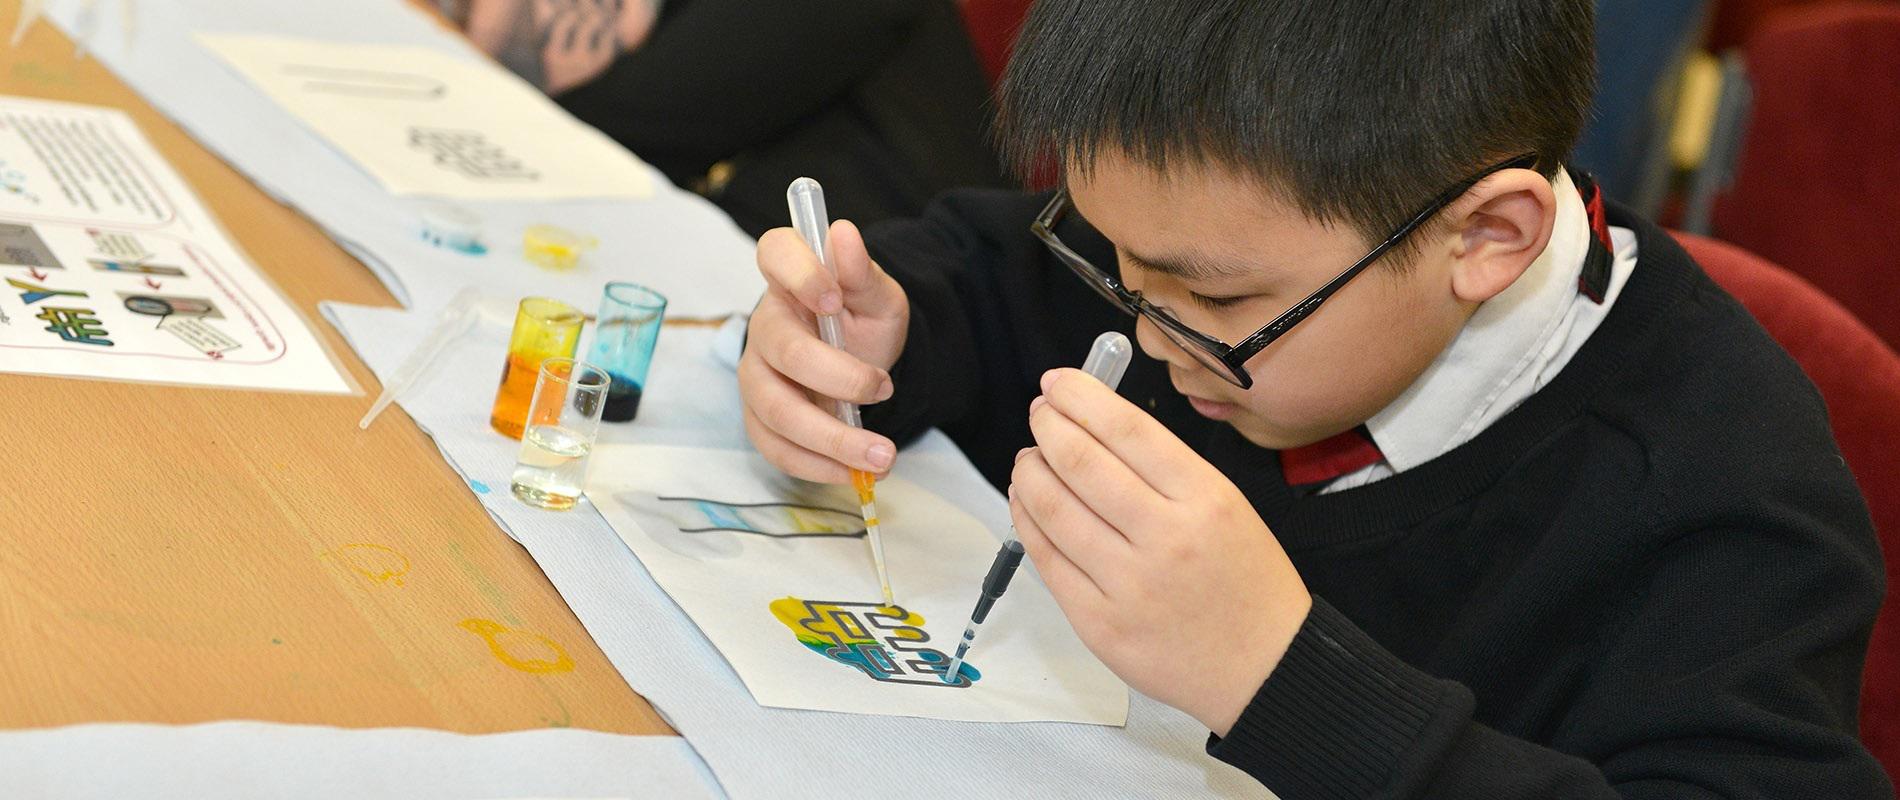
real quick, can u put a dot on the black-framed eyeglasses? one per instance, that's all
(1229, 361)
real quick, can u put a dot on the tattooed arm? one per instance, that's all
(557, 44)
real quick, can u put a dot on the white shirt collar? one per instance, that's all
(1498, 358)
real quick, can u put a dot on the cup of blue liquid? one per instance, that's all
(625, 333)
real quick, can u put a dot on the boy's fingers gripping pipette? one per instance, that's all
(788, 375)
(806, 200)
(1107, 362)
(851, 285)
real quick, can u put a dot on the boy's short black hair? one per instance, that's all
(1356, 111)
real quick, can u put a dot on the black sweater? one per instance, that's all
(1653, 579)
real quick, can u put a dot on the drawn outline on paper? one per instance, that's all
(885, 643)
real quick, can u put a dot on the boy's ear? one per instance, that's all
(1502, 225)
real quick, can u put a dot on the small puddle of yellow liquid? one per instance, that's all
(373, 561)
(506, 642)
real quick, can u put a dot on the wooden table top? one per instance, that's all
(178, 555)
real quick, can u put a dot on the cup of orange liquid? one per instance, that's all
(544, 329)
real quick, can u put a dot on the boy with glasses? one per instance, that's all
(1447, 479)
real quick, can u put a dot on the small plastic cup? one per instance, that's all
(553, 247)
(625, 334)
(452, 227)
(563, 421)
(544, 329)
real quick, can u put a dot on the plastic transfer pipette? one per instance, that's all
(1107, 361)
(807, 201)
(448, 325)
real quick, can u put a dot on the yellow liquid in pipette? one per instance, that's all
(866, 484)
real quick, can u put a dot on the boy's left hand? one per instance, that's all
(1163, 567)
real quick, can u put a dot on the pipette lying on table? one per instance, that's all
(807, 201)
(449, 324)
(1107, 361)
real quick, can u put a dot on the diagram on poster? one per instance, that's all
(114, 270)
(776, 573)
(423, 122)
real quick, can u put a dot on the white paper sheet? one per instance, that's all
(427, 123)
(755, 750)
(113, 269)
(115, 761)
(777, 574)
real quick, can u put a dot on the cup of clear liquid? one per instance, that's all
(563, 420)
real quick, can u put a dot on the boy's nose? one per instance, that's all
(1161, 348)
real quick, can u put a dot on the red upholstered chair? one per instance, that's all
(1734, 20)
(993, 25)
(1814, 184)
(1859, 378)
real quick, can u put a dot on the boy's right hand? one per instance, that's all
(787, 374)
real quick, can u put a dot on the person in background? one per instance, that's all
(882, 101)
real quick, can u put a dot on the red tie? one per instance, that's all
(1327, 459)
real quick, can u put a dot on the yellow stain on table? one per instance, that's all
(373, 561)
(506, 642)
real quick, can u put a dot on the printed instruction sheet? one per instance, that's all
(114, 270)
(777, 574)
(424, 122)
